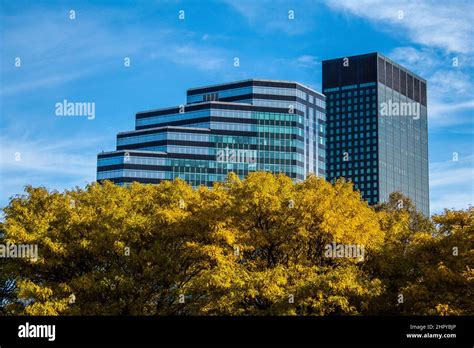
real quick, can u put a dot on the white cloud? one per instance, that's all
(449, 87)
(445, 25)
(450, 114)
(452, 184)
(55, 50)
(40, 82)
(63, 163)
(201, 57)
(444, 31)
(454, 176)
(275, 15)
(422, 60)
(61, 157)
(451, 200)
(308, 61)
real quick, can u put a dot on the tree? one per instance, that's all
(259, 246)
(7, 283)
(444, 279)
(280, 231)
(425, 266)
(103, 250)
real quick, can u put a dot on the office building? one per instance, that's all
(377, 134)
(240, 127)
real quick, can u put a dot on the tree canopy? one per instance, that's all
(259, 246)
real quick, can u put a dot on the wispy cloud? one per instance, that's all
(444, 33)
(445, 25)
(308, 61)
(55, 50)
(201, 57)
(450, 84)
(291, 18)
(62, 157)
(41, 82)
(452, 184)
(451, 200)
(38, 161)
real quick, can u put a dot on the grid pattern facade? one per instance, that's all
(370, 141)
(352, 137)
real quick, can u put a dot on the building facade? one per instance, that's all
(377, 132)
(239, 127)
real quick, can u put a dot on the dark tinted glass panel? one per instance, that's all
(331, 74)
(396, 79)
(388, 74)
(381, 70)
(367, 69)
(349, 71)
(423, 93)
(410, 86)
(403, 82)
(417, 90)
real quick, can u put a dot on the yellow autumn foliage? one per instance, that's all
(257, 246)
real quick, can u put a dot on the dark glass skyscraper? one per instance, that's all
(377, 127)
(242, 126)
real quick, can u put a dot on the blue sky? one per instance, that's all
(82, 60)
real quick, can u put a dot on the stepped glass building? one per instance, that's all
(377, 127)
(239, 127)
